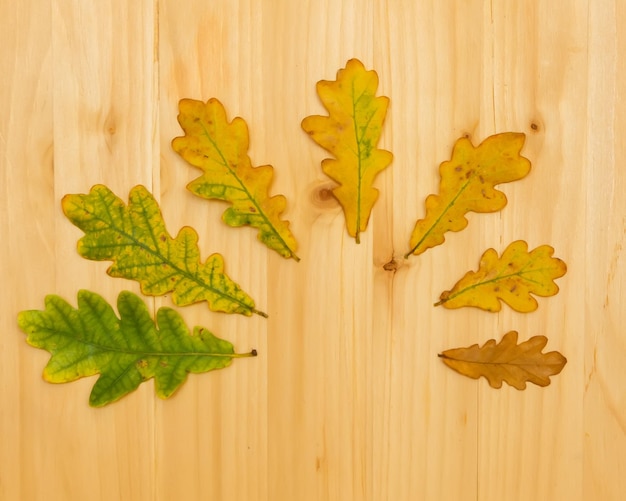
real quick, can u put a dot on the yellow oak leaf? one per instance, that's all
(467, 184)
(512, 278)
(219, 148)
(351, 132)
(507, 361)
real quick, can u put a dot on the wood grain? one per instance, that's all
(347, 399)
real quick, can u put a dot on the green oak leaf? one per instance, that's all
(134, 237)
(125, 351)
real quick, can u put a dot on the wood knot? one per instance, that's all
(322, 196)
(392, 265)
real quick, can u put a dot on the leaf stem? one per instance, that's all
(252, 353)
(258, 312)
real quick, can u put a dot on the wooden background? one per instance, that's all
(347, 399)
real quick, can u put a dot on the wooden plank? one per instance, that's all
(604, 411)
(80, 111)
(347, 398)
(539, 82)
(104, 98)
(212, 443)
(425, 420)
(27, 218)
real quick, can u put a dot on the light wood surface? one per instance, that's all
(347, 399)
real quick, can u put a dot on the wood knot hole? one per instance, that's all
(391, 265)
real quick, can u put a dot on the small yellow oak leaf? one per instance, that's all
(351, 132)
(507, 361)
(467, 184)
(512, 278)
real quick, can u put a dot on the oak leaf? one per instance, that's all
(467, 184)
(512, 278)
(125, 351)
(134, 237)
(219, 148)
(351, 132)
(507, 361)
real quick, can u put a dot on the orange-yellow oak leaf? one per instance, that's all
(507, 361)
(467, 185)
(351, 132)
(511, 278)
(219, 148)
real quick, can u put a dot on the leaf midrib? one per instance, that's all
(244, 188)
(156, 253)
(103, 348)
(358, 140)
(498, 364)
(443, 213)
(497, 278)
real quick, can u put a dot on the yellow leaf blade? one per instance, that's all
(507, 361)
(135, 239)
(219, 148)
(467, 184)
(512, 278)
(351, 132)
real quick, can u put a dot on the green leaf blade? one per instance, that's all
(125, 351)
(135, 238)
